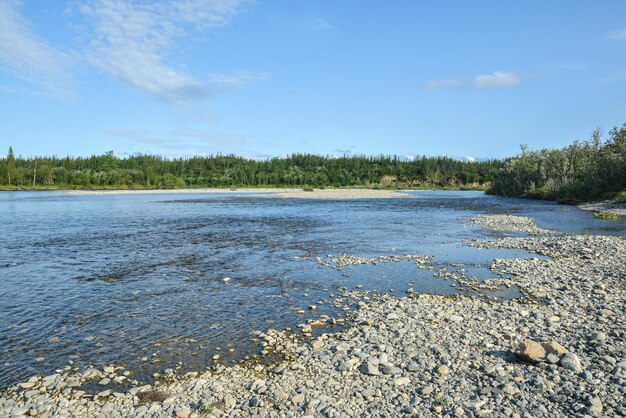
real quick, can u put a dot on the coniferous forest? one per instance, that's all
(150, 171)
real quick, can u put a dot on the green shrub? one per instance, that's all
(610, 216)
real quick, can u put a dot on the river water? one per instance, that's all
(99, 279)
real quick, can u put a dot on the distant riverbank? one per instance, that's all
(273, 192)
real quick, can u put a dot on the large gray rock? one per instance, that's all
(571, 362)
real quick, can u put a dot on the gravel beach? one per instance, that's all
(560, 350)
(274, 192)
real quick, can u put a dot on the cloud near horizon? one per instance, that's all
(495, 80)
(188, 142)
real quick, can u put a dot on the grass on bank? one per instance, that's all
(609, 216)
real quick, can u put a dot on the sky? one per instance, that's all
(266, 78)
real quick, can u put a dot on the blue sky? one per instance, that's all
(268, 78)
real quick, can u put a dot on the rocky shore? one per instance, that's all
(617, 208)
(560, 350)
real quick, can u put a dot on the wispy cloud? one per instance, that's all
(495, 80)
(619, 35)
(319, 24)
(451, 83)
(134, 41)
(27, 56)
(236, 79)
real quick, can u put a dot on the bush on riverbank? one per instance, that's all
(594, 169)
(610, 216)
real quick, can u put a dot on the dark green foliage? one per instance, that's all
(579, 172)
(298, 170)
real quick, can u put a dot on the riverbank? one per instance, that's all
(616, 208)
(419, 355)
(271, 192)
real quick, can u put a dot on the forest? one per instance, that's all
(583, 171)
(298, 170)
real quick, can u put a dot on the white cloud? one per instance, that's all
(443, 84)
(619, 35)
(319, 24)
(496, 80)
(134, 41)
(27, 56)
(236, 79)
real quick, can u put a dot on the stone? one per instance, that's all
(400, 381)
(530, 350)
(229, 401)
(510, 389)
(298, 399)
(455, 318)
(368, 393)
(598, 336)
(570, 361)
(412, 367)
(369, 369)
(104, 381)
(552, 359)
(443, 370)
(595, 407)
(388, 368)
(318, 344)
(555, 348)
(16, 412)
(427, 390)
(183, 412)
(348, 365)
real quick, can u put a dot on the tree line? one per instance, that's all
(588, 170)
(151, 171)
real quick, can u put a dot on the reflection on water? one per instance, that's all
(118, 278)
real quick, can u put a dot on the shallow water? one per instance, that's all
(101, 279)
